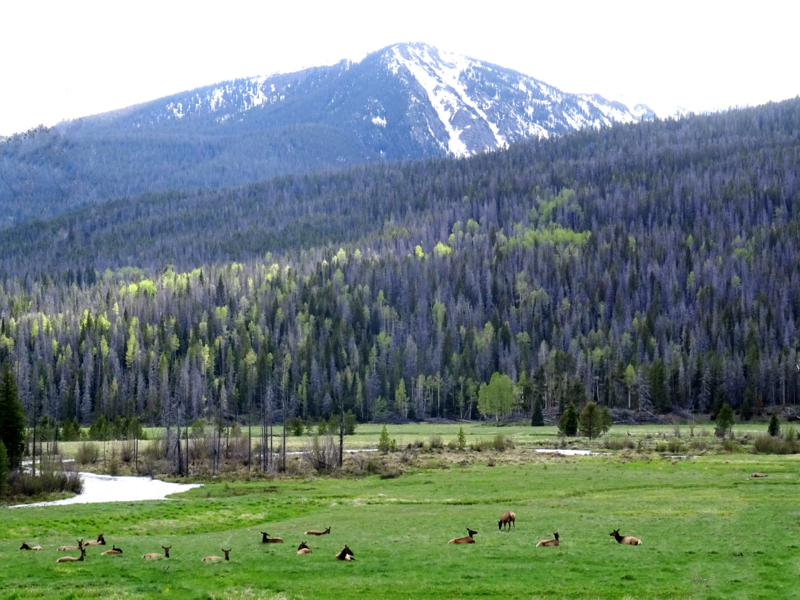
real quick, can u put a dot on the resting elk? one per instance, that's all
(265, 539)
(114, 550)
(506, 520)
(100, 541)
(345, 554)
(65, 548)
(328, 530)
(549, 543)
(626, 539)
(464, 540)
(157, 555)
(303, 549)
(217, 558)
(35, 548)
(72, 558)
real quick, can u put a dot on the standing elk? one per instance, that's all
(464, 540)
(114, 550)
(265, 539)
(72, 558)
(218, 558)
(345, 554)
(312, 532)
(303, 549)
(625, 539)
(157, 555)
(100, 541)
(506, 520)
(65, 548)
(549, 543)
(34, 548)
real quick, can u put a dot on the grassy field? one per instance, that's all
(708, 531)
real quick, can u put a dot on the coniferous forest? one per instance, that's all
(653, 266)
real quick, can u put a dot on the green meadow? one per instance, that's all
(708, 530)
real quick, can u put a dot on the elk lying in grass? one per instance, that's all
(464, 540)
(265, 539)
(35, 548)
(157, 555)
(507, 519)
(328, 530)
(758, 475)
(345, 554)
(72, 558)
(100, 541)
(549, 542)
(303, 549)
(626, 539)
(65, 548)
(114, 550)
(217, 558)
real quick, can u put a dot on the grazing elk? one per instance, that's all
(34, 548)
(265, 539)
(626, 539)
(345, 554)
(507, 519)
(303, 549)
(114, 550)
(464, 540)
(72, 558)
(100, 541)
(65, 548)
(157, 555)
(328, 530)
(549, 542)
(217, 558)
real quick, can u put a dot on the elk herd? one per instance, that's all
(507, 519)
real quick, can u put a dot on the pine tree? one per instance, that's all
(3, 470)
(462, 439)
(590, 421)
(606, 420)
(384, 444)
(568, 423)
(774, 428)
(537, 420)
(725, 420)
(12, 418)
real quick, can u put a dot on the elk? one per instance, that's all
(625, 539)
(549, 542)
(265, 539)
(303, 549)
(758, 475)
(216, 558)
(100, 541)
(35, 548)
(507, 519)
(464, 540)
(157, 555)
(114, 550)
(345, 554)
(72, 558)
(328, 530)
(65, 548)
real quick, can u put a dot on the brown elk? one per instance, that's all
(100, 541)
(507, 519)
(548, 543)
(114, 550)
(65, 548)
(328, 530)
(72, 558)
(464, 540)
(625, 539)
(265, 539)
(157, 555)
(303, 549)
(345, 554)
(758, 475)
(217, 558)
(34, 548)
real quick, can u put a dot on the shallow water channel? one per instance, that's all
(105, 488)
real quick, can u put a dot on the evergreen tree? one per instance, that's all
(3, 470)
(746, 410)
(606, 420)
(462, 439)
(725, 420)
(590, 421)
(384, 443)
(568, 423)
(537, 420)
(12, 418)
(774, 428)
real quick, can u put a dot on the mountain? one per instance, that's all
(407, 101)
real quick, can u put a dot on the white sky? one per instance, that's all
(66, 59)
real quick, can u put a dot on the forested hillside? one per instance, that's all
(651, 265)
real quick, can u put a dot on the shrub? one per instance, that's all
(675, 445)
(296, 426)
(436, 442)
(113, 467)
(767, 444)
(618, 443)
(731, 446)
(501, 442)
(47, 482)
(88, 453)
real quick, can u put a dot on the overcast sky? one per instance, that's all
(67, 59)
